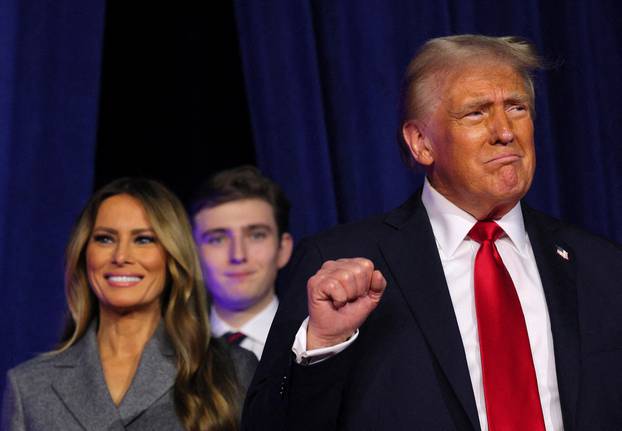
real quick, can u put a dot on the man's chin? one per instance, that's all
(510, 186)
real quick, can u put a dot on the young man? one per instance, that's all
(240, 223)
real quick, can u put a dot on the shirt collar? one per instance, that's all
(256, 328)
(451, 224)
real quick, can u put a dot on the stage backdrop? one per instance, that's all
(322, 79)
(49, 80)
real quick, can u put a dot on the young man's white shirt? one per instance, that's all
(256, 329)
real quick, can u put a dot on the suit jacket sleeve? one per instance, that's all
(12, 411)
(283, 394)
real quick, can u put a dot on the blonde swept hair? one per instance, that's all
(438, 57)
(206, 391)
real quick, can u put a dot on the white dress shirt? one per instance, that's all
(256, 329)
(451, 225)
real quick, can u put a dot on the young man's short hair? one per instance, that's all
(243, 182)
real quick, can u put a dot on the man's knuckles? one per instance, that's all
(349, 262)
(364, 263)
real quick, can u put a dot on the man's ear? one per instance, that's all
(286, 245)
(418, 142)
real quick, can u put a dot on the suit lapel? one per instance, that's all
(82, 388)
(421, 279)
(557, 266)
(80, 384)
(154, 377)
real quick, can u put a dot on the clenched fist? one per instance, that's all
(340, 297)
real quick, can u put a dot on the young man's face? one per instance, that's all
(241, 253)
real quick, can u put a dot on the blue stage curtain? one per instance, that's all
(323, 77)
(50, 58)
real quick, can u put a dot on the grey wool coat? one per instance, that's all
(67, 391)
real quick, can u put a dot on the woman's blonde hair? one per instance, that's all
(206, 392)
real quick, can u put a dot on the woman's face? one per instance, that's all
(126, 264)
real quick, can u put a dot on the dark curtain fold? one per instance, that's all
(49, 81)
(323, 79)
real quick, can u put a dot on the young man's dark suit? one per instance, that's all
(407, 369)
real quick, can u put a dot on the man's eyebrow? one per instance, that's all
(258, 226)
(477, 103)
(218, 230)
(481, 102)
(517, 98)
(470, 105)
(223, 230)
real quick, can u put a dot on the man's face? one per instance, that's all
(477, 145)
(241, 253)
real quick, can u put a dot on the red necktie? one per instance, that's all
(234, 338)
(510, 385)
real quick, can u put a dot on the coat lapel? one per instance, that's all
(82, 388)
(80, 384)
(420, 277)
(154, 377)
(557, 268)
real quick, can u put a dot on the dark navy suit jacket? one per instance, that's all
(407, 369)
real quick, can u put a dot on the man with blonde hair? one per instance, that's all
(463, 309)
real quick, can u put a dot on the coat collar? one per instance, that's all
(80, 383)
(154, 377)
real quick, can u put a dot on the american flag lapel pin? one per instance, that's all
(563, 253)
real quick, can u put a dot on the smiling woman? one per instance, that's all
(138, 347)
(125, 262)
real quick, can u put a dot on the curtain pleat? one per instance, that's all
(323, 79)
